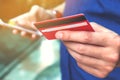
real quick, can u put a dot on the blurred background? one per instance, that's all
(22, 58)
(12, 8)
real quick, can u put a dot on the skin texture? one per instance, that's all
(95, 52)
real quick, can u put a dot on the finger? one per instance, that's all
(35, 11)
(15, 31)
(25, 24)
(94, 51)
(33, 26)
(96, 38)
(93, 66)
(33, 36)
(93, 71)
(90, 67)
(23, 33)
(20, 20)
(24, 20)
(90, 61)
(85, 49)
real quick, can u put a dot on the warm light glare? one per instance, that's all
(12, 8)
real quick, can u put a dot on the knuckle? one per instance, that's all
(105, 39)
(79, 59)
(100, 75)
(111, 56)
(87, 37)
(81, 49)
(35, 7)
(114, 57)
(117, 41)
(67, 35)
(108, 69)
(104, 71)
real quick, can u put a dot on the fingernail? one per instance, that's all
(59, 35)
(23, 33)
(14, 31)
(33, 36)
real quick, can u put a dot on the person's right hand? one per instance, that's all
(26, 20)
(97, 53)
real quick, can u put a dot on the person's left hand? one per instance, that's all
(27, 19)
(95, 52)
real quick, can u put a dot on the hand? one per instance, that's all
(26, 20)
(95, 52)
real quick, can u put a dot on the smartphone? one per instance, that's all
(2, 23)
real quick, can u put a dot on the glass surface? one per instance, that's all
(24, 59)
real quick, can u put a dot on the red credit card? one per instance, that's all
(74, 23)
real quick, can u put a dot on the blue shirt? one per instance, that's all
(104, 12)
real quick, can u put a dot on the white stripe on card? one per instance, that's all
(65, 27)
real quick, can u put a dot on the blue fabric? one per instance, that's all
(104, 12)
